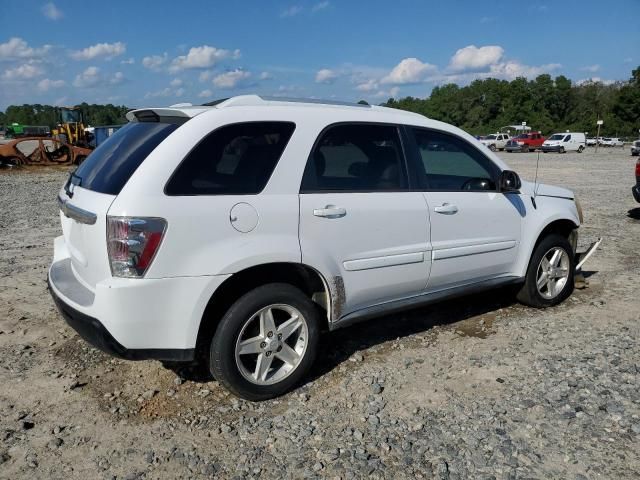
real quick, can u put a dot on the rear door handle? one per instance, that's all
(446, 209)
(330, 211)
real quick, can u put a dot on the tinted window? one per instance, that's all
(449, 163)
(109, 167)
(236, 159)
(567, 138)
(354, 158)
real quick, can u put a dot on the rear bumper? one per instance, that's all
(145, 318)
(95, 333)
(513, 148)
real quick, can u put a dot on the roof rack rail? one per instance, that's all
(313, 100)
(257, 99)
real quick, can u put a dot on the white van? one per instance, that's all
(565, 142)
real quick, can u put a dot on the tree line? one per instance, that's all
(547, 104)
(48, 115)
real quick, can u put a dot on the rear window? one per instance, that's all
(233, 160)
(110, 166)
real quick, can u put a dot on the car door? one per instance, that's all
(475, 230)
(360, 226)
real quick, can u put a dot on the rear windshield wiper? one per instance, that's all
(71, 181)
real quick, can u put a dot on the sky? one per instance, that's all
(153, 53)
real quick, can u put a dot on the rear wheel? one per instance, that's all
(580, 149)
(525, 149)
(492, 148)
(266, 342)
(549, 279)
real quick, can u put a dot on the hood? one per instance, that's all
(545, 190)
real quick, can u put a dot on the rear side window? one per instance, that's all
(109, 167)
(356, 158)
(236, 159)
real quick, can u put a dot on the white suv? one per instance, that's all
(233, 234)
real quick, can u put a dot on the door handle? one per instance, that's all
(446, 209)
(330, 211)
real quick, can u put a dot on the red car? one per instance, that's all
(525, 142)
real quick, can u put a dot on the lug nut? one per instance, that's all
(279, 336)
(270, 334)
(263, 344)
(268, 354)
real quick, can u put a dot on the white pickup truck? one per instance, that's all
(496, 141)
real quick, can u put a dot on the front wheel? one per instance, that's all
(266, 342)
(549, 279)
(561, 150)
(492, 148)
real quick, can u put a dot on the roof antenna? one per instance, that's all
(535, 182)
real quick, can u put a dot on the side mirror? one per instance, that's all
(510, 181)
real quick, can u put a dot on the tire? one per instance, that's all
(237, 372)
(525, 149)
(492, 148)
(529, 294)
(561, 150)
(580, 149)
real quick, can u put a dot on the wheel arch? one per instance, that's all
(306, 278)
(562, 226)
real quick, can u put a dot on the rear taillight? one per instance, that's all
(638, 168)
(132, 243)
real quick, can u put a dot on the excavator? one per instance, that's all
(71, 128)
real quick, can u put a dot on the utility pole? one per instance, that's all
(599, 123)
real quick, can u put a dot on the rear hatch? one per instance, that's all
(90, 190)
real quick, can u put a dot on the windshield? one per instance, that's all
(523, 135)
(556, 136)
(70, 116)
(490, 137)
(109, 167)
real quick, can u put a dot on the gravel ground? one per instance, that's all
(481, 388)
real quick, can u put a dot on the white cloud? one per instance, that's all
(179, 92)
(128, 61)
(22, 72)
(591, 68)
(165, 92)
(475, 59)
(292, 11)
(231, 79)
(16, 47)
(205, 76)
(176, 82)
(392, 92)
(52, 12)
(265, 76)
(595, 80)
(320, 6)
(512, 69)
(106, 50)
(408, 71)
(204, 56)
(326, 76)
(46, 84)
(370, 85)
(154, 62)
(117, 78)
(89, 78)
(205, 93)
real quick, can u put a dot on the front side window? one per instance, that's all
(236, 159)
(567, 138)
(448, 163)
(356, 158)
